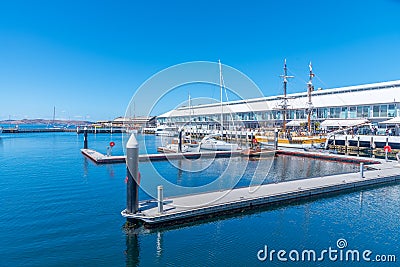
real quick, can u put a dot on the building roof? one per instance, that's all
(395, 120)
(368, 94)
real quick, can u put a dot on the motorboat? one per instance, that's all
(210, 142)
(165, 130)
(188, 145)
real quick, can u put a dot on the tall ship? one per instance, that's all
(290, 137)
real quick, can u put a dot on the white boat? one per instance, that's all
(211, 143)
(132, 130)
(165, 130)
(188, 145)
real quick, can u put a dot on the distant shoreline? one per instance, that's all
(44, 121)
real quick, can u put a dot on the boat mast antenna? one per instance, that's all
(54, 114)
(190, 111)
(284, 104)
(220, 85)
(310, 89)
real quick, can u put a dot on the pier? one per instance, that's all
(40, 130)
(100, 158)
(188, 208)
(100, 130)
(184, 209)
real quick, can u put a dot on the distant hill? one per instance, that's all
(43, 121)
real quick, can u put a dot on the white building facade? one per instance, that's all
(376, 102)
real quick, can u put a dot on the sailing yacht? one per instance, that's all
(210, 142)
(290, 140)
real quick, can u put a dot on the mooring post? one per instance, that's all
(276, 139)
(180, 140)
(85, 141)
(160, 199)
(362, 169)
(132, 170)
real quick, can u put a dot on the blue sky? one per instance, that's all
(87, 58)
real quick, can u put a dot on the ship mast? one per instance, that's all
(190, 112)
(284, 104)
(309, 109)
(220, 85)
(54, 114)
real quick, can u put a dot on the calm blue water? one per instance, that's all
(59, 209)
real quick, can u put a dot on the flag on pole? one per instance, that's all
(311, 73)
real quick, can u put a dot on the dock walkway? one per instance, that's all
(100, 158)
(204, 205)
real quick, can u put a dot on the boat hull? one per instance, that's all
(218, 147)
(295, 142)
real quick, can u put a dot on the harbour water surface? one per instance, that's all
(59, 209)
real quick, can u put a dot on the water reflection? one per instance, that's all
(361, 200)
(159, 243)
(110, 170)
(132, 251)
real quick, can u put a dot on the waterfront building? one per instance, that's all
(374, 102)
(138, 122)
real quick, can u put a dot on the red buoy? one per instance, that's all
(387, 148)
(112, 144)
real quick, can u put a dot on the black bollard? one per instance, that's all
(85, 141)
(180, 141)
(132, 170)
(276, 139)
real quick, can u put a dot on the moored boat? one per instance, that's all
(308, 140)
(164, 130)
(210, 142)
(188, 145)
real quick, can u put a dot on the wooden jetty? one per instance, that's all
(188, 208)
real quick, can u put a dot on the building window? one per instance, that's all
(392, 110)
(343, 113)
(362, 111)
(290, 114)
(375, 111)
(334, 113)
(383, 111)
(353, 112)
(300, 114)
(366, 111)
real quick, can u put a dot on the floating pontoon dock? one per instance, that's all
(100, 158)
(186, 208)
